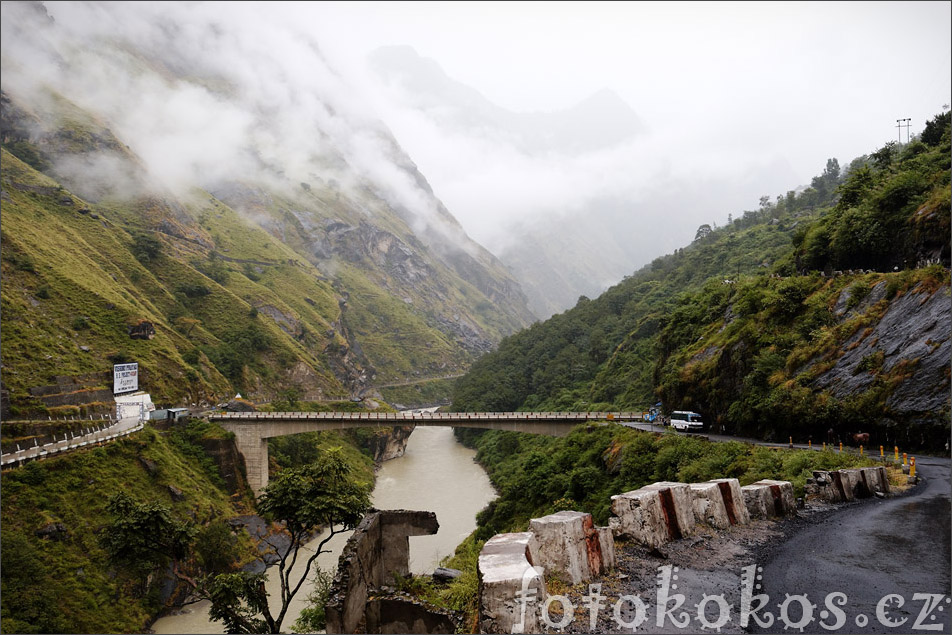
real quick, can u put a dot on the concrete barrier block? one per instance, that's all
(781, 492)
(569, 542)
(679, 495)
(720, 503)
(756, 499)
(828, 487)
(638, 515)
(654, 514)
(607, 543)
(709, 505)
(506, 573)
(877, 479)
(854, 483)
(733, 499)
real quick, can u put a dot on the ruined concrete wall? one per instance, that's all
(375, 553)
(404, 614)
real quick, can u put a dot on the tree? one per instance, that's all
(932, 133)
(145, 536)
(322, 494)
(832, 171)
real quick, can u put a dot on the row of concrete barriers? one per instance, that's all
(569, 545)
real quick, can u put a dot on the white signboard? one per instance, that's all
(125, 378)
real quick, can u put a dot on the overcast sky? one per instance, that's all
(734, 86)
(728, 93)
(803, 79)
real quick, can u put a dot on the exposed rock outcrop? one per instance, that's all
(391, 443)
(915, 332)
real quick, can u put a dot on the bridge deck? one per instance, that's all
(431, 418)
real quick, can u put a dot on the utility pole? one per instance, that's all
(900, 124)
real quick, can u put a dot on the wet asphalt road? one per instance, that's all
(878, 553)
(869, 551)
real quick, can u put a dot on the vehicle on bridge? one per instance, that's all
(686, 420)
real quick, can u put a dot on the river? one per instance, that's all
(435, 474)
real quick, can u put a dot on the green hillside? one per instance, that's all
(57, 577)
(259, 289)
(57, 574)
(758, 325)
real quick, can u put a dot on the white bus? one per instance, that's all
(686, 420)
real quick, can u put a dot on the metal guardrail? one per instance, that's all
(55, 447)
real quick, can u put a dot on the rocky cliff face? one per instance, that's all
(906, 352)
(230, 464)
(804, 356)
(390, 443)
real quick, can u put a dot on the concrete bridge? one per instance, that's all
(253, 429)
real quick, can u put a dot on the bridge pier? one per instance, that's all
(254, 449)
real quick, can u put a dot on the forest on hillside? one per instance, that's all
(745, 324)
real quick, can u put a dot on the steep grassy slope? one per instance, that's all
(57, 576)
(73, 277)
(272, 232)
(321, 292)
(60, 580)
(787, 321)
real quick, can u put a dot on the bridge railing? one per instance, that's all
(430, 416)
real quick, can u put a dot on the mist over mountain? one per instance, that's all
(601, 121)
(571, 200)
(220, 150)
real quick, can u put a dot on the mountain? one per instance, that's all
(571, 200)
(600, 121)
(829, 309)
(178, 193)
